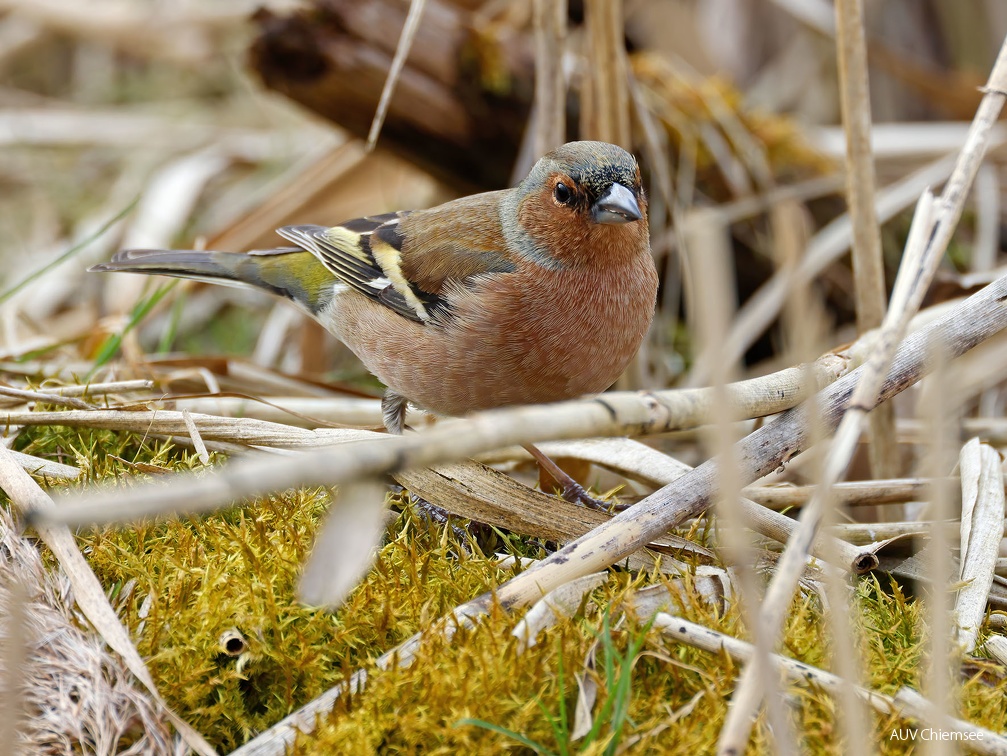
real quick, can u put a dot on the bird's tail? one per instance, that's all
(288, 272)
(217, 267)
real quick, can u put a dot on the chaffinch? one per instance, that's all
(526, 295)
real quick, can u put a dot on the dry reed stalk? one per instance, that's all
(100, 389)
(940, 410)
(846, 493)
(710, 246)
(855, 102)
(868, 265)
(549, 130)
(605, 85)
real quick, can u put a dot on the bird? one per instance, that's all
(534, 294)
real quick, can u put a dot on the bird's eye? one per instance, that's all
(562, 193)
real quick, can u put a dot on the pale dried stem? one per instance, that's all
(868, 265)
(845, 493)
(38, 396)
(854, 98)
(980, 739)
(939, 409)
(709, 243)
(605, 91)
(982, 525)
(550, 85)
(398, 63)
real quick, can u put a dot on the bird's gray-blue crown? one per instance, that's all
(593, 165)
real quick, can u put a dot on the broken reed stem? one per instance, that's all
(868, 265)
(550, 85)
(855, 493)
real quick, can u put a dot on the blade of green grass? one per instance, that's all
(140, 310)
(527, 742)
(69, 253)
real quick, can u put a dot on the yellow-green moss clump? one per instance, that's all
(232, 576)
(210, 602)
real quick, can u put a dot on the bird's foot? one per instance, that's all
(575, 493)
(571, 490)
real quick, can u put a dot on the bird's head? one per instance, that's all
(582, 201)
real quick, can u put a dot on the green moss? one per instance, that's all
(198, 579)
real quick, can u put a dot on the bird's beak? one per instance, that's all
(617, 205)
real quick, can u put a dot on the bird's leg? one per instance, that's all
(393, 411)
(573, 491)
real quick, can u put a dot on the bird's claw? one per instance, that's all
(575, 493)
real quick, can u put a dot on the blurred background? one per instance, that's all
(137, 123)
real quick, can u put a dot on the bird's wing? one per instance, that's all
(450, 243)
(346, 250)
(404, 260)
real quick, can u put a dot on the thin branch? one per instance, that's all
(398, 62)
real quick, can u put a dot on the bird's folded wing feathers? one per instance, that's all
(404, 260)
(347, 250)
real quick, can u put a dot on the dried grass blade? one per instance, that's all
(345, 546)
(398, 62)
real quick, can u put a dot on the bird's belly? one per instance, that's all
(534, 349)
